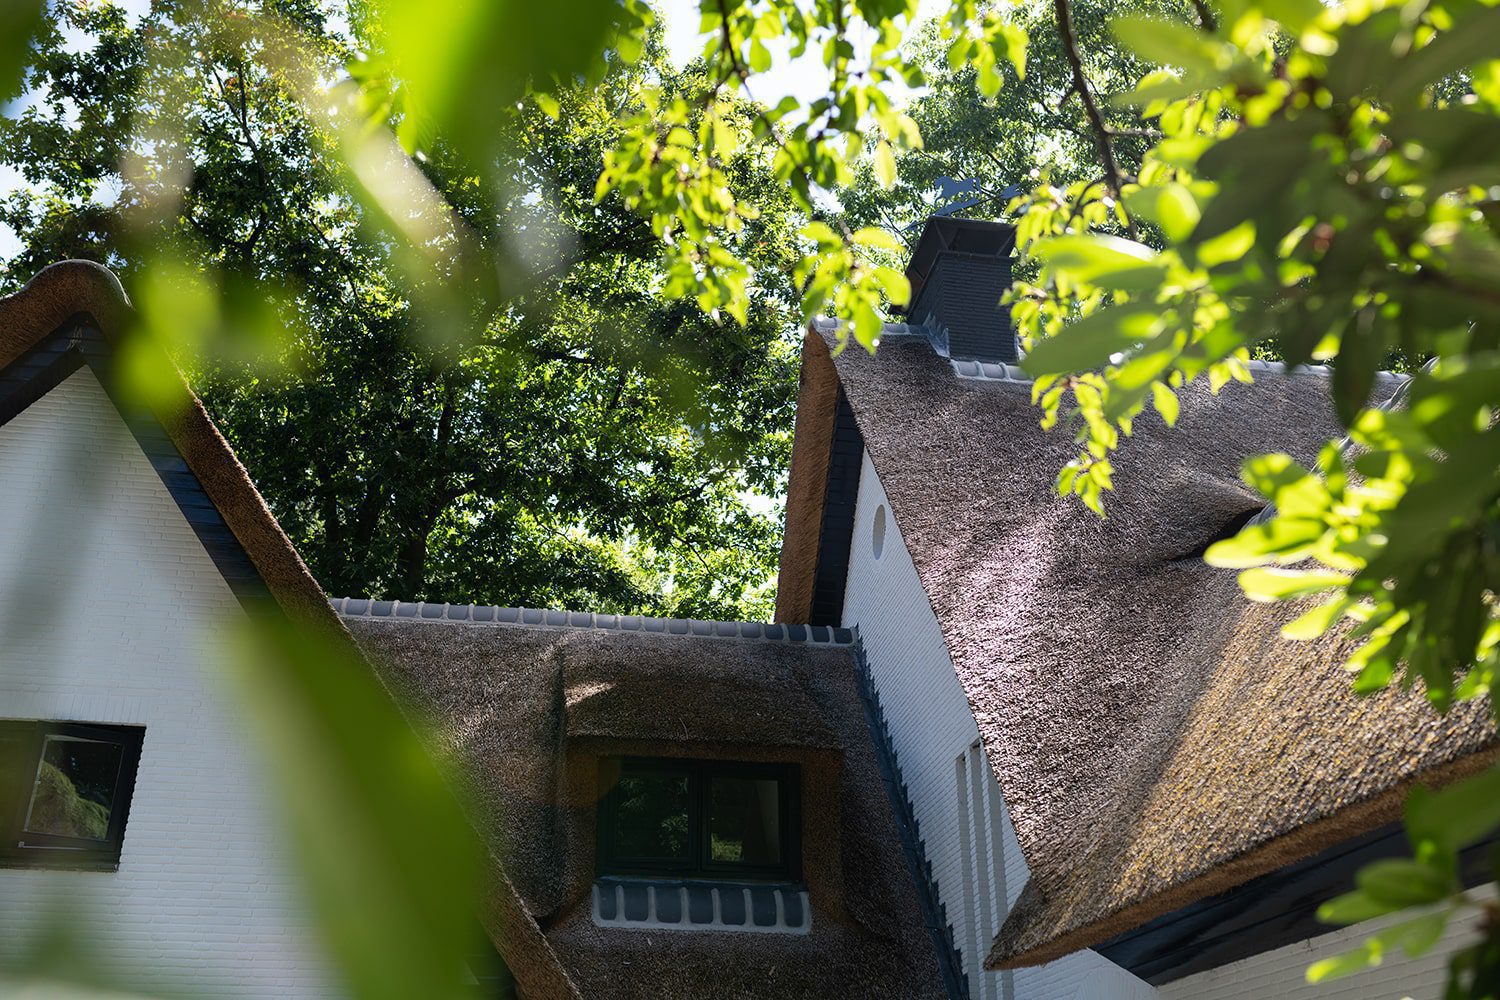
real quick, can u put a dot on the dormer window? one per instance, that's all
(65, 792)
(699, 819)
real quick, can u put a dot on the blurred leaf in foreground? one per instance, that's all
(388, 863)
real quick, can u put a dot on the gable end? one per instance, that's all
(79, 343)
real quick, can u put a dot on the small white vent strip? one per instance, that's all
(669, 907)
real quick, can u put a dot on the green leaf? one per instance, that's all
(1255, 168)
(1016, 43)
(896, 285)
(1361, 349)
(19, 21)
(1227, 247)
(1294, 490)
(760, 56)
(1402, 882)
(1471, 40)
(630, 46)
(548, 104)
(885, 164)
(1317, 621)
(822, 234)
(1261, 543)
(1106, 261)
(1093, 340)
(445, 53)
(1293, 15)
(1339, 966)
(1419, 936)
(1166, 403)
(1353, 908)
(1268, 583)
(1486, 83)
(1177, 212)
(874, 236)
(388, 863)
(1167, 42)
(1160, 85)
(1415, 936)
(1458, 815)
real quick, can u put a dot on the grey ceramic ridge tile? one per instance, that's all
(484, 614)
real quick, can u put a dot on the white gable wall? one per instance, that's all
(111, 611)
(968, 837)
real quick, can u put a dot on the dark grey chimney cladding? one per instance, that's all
(958, 272)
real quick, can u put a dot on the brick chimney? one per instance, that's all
(958, 272)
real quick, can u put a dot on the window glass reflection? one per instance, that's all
(744, 820)
(653, 816)
(74, 788)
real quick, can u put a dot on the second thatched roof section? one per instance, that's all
(527, 707)
(1157, 741)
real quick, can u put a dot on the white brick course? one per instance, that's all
(932, 728)
(111, 611)
(1282, 973)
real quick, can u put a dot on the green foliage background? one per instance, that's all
(574, 439)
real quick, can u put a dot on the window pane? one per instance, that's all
(744, 821)
(75, 788)
(652, 818)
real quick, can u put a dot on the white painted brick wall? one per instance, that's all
(111, 611)
(931, 726)
(1282, 973)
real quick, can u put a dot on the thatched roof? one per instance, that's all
(75, 292)
(525, 709)
(1156, 740)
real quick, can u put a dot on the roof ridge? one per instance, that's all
(489, 614)
(999, 371)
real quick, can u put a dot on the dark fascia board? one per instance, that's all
(839, 500)
(913, 847)
(1266, 913)
(79, 344)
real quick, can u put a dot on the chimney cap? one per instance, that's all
(943, 233)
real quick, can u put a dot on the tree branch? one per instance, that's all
(1114, 177)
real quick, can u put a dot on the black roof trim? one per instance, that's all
(845, 459)
(1264, 914)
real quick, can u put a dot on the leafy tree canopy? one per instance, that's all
(563, 435)
(1000, 143)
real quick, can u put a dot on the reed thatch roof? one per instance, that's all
(1156, 740)
(526, 710)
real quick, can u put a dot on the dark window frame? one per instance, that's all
(699, 863)
(22, 849)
